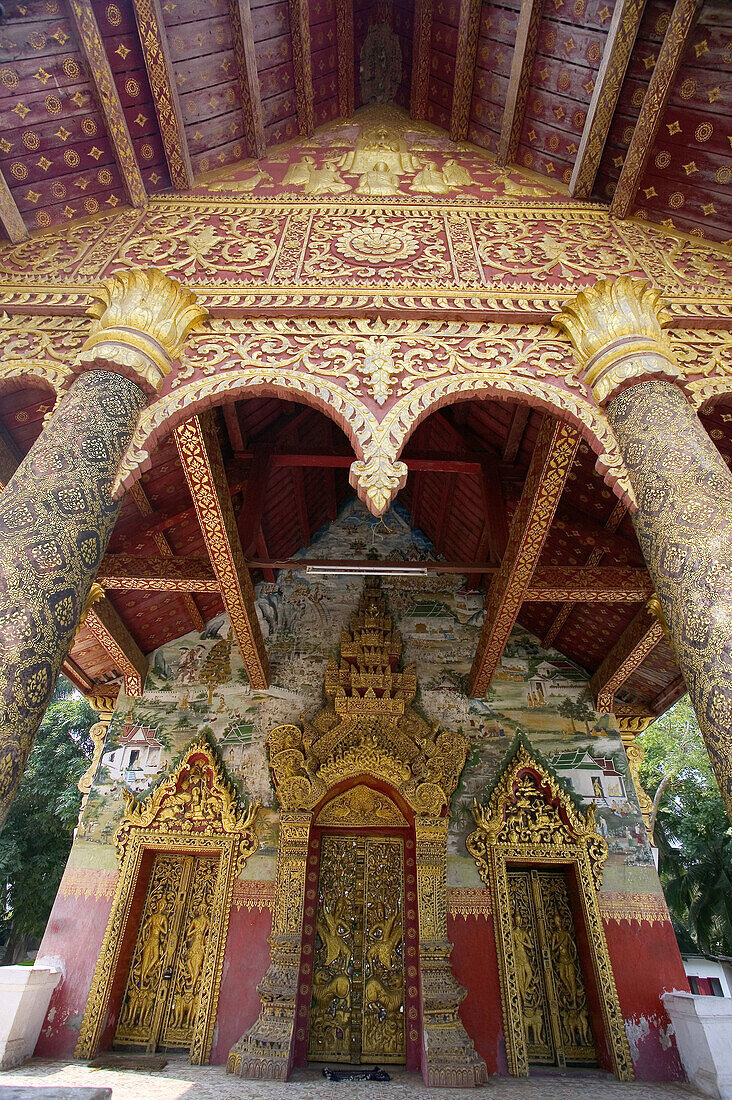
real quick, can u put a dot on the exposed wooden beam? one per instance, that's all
(595, 557)
(75, 673)
(114, 637)
(635, 643)
(10, 217)
(249, 520)
(494, 537)
(522, 62)
(159, 65)
(621, 36)
(10, 457)
(233, 426)
(157, 573)
(554, 452)
(246, 61)
(653, 107)
(421, 35)
(95, 55)
(200, 455)
(303, 65)
(467, 51)
(669, 695)
(346, 58)
(264, 552)
(516, 431)
(145, 508)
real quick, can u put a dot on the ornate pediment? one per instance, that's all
(195, 800)
(369, 726)
(530, 814)
(361, 807)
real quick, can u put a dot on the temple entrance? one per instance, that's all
(162, 995)
(357, 1008)
(549, 975)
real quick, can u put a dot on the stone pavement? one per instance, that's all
(180, 1081)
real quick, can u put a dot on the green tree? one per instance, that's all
(36, 839)
(690, 827)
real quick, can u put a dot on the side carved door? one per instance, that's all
(357, 1009)
(554, 1009)
(161, 999)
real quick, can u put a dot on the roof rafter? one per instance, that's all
(157, 573)
(153, 37)
(346, 59)
(653, 107)
(522, 62)
(10, 217)
(421, 35)
(200, 455)
(303, 65)
(92, 47)
(467, 52)
(113, 636)
(249, 520)
(246, 62)
(556, 445)
(494, 537)
(635, 643)
(624, 26)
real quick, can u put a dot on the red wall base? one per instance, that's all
(245, 962)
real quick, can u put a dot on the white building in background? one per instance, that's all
(591, 777)
(137, 759)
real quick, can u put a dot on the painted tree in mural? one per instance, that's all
(690, 827)
(216, 668)
(36, 839)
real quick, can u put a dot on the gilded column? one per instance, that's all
(682, 486)
(57, 511)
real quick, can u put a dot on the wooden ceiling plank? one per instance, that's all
(467, 52)
(639, 638)
(556, 445)
(145, 508)
(669, 695)
(346, 58)
(626, 19)
(113, 636)
(246, 60)
(595, 557)
(200, 455)
(421, 36)
(654, 104)
(10, 217)
(95, 55)
(522, 62)
(159, 65)
(303, 66)
(249, 520)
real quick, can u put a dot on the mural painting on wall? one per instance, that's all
(197, 683)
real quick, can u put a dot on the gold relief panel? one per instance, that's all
(195, 812)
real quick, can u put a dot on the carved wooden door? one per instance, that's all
(161, 998)
(357, 1009)
(551, 988)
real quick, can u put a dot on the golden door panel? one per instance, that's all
(548, 971)
(357, 1010)
(163, 985)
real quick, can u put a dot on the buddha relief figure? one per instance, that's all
(429, 179)
(455, 175)
(379, 181)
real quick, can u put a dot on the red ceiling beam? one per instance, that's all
(516, 431)
(246, 62)
(346, 59)
(556, 445)
(11, 218)
(115, 639)
(200, 455)
(249, 520)
(162, 573)
(653, 107)
(494, 537)
(522, 62)
(95, 55)
(621, 36)
(467, 51)
(629, 652)
(303, 65)
(421, 36)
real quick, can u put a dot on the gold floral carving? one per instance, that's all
(361, 806)
(616, 328)
(104, 705)
(531, 820)
(141, 321)
(194, 810)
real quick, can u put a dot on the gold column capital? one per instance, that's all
(141, 321)
(616, 328)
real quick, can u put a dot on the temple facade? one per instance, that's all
(364, 455)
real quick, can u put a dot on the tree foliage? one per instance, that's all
(36, 839)
(691, 828)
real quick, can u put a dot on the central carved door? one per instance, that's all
(551, 986)
(162, 995)
(357, 1008)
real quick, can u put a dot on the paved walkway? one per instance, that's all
(180, 1080)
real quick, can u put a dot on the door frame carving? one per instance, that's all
(530, 820)
(195, 811)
